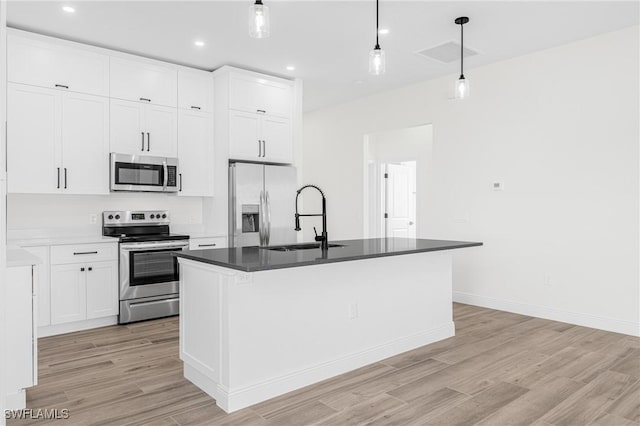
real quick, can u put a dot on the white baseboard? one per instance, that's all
(70, 327)
(16, 401)
(231, 400)
(587, 320)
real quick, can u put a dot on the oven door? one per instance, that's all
(143, 173)
(149, 269)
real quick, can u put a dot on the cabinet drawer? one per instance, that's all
(207, 243)
(83, 253)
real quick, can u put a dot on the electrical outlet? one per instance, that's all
(93, 219)
(353, 310)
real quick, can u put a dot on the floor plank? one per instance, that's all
(500, 369)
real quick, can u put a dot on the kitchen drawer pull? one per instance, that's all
(62, 86)
(195, 107)
(261, 111)
(207, 245)
(145, 99)
(76, 253)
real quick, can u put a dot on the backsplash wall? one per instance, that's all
(36, 214)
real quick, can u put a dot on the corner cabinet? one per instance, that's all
(254, 112)
(57, 141)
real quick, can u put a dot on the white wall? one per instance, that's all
(560, 127)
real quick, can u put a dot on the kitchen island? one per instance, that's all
(259, 322)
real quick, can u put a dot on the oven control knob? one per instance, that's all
(117, 217)
(110, 216)
(153, 216)
(164, 216)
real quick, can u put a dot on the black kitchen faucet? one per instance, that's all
(323, 238)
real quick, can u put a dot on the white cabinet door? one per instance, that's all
(126, 134)
(144, 82)
(102, 289)
(33, 139)
(244, 136)
(195, 153)
(255, 94)
(45, 64)
(195, 90)
(85, 143)
(68, 293)
(161, 129)
(278, 139)
(42, 283)
(19, 331)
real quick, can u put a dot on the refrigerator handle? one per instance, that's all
(261, 225)
(268, 218)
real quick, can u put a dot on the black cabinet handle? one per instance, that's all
(207, 245)
(65, 178)
(76, 253)
(264, 148)
(81, 269)
(259, 148)
(261, 111)
(62, 86)
(180, 175)
(142, 149)
(90, 269)
(148, 141)
(195, 107)
(58, 177)
(145, 99)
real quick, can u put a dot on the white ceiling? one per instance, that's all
(328, 42)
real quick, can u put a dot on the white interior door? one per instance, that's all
(85, 143)
(401, 203)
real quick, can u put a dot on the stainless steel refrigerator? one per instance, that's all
(261, 204)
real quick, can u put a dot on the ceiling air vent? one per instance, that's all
(447, 52)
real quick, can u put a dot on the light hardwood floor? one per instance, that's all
(500, 369)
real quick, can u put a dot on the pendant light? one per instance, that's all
(259, 20)
(376, 57)
(462, 84)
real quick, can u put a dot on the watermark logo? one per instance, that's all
(37, 414)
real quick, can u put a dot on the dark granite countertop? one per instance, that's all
(253, 259)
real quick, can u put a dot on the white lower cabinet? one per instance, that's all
(102, 294)
(68, 293)
(42, 281)
(205, 243)
(21, 338)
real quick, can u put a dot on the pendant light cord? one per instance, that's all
(461, 50)
(377, 31)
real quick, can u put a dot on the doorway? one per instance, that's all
(396, 181)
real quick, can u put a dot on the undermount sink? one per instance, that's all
(294, 247)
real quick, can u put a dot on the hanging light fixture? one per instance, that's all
(376, 57)
(259, 20)
(462, 84)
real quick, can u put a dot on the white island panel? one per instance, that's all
(248, 337)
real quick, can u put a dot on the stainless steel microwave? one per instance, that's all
(143, 173)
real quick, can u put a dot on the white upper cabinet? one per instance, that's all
(277, 139)
(251, 93)
(54, 65)
(143, 129)
(195, 90)
(34, 145)
(85, 143)
(195, 153)
(143, 81)
(56, 141)
(244, 136)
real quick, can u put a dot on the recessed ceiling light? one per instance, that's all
(383, 31)
(68, 9)
(358, 82)
(290, 68)
(199, 43)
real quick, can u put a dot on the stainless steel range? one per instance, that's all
(148, 272)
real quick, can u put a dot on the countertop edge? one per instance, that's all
(323, 261)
